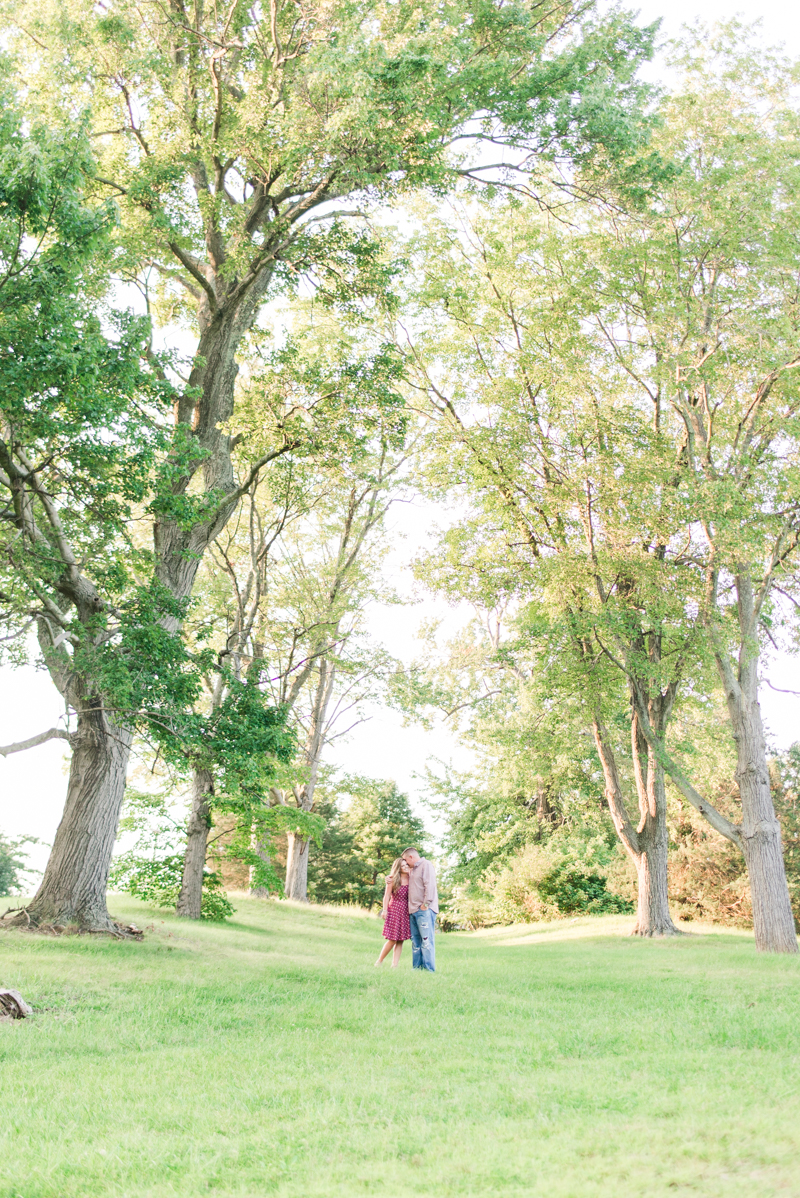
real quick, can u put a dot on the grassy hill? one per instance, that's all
(269, 1057)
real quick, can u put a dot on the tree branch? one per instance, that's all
(33, 741)
(194, 270)
(717, 820)
(614, 797)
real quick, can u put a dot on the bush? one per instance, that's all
(565, 876)
(573, 889)
(469, 907)
(12, 864)
(707, 874)
(158, 881)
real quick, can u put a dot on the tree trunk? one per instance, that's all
(773, 921)
(261, 849)
(73, 889)
(646, 845)
(296, 885)
(653, 916)
(178, 546)
(190, 899)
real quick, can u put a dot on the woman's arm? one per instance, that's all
(387, 898)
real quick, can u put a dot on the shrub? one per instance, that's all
(565, 876)
(158, 881)
(12, 864)
(707, 874)
(574, 889)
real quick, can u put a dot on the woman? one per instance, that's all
(396, 927)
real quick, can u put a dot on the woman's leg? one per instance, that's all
(385, 951)
(398, 948)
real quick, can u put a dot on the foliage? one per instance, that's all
(369, 824)
(245, 738)
(153, 868)
(80, 407)
(12, 863)
(528, 835)
(565, 874)
(287, 584)
(335, 869)
(222, 134)
(85, 408)
(360, 102)
(613, 402)
(158, 881)
(254, 837)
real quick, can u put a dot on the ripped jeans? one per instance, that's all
(423, 930)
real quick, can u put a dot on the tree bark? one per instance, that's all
(773, 920)
(296, 885)
(73, 889)
(653, 915)
(190, 900)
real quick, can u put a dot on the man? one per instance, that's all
(423, 907)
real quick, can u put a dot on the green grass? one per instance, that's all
(269, 1057)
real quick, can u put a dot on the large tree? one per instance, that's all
(704, 288)
(623, 403)
(285, 586)
(228, 134)
(548, 449)
(80, 431)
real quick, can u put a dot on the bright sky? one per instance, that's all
(33, 784)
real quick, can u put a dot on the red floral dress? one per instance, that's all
(397, 926)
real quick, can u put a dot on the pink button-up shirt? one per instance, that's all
(422, 887)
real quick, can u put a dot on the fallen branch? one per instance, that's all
(13, 1005)
(23, 911)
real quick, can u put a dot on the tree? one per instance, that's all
(80, 430)
(12, 863)
(226, 135)
(634, 387)
(549, 450)
(369, 824)
(329, 576)
(287, 586)
(532, 805)
(709, 302)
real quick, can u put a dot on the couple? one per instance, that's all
(410, 907)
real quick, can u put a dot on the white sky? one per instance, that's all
(33, 784)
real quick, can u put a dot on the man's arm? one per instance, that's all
(428, 883)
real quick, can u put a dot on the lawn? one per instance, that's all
(268, 1057)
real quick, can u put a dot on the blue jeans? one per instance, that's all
(423, 949)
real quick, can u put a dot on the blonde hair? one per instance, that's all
(394, 875)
